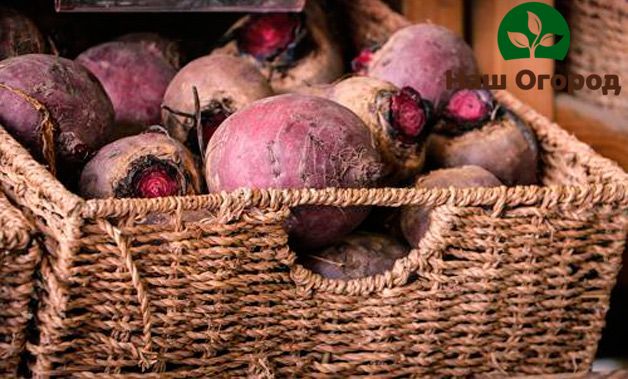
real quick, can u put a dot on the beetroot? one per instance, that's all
(399, 120)
(18, 35)
(291, 49)
(419, 56)
(143, 166)
(224, 84)
(415, 220)
(503, 145)
(168, 49)
(81, 113)
(356, 256)
(296, 141)
(135, 77)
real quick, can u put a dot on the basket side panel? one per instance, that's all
(524, 291)
(19, 256)
(191, 294)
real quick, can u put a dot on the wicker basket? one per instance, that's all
(19, 256)
(506, 281)
(599, 46)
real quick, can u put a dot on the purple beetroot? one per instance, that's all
(419, 56)
(81, 114)
(356, 256)
(146, 165)
(135, 77)
(168, 49)
(475, 131)
(224, 84)
(297, 141)
(291, 49)
(18, 35)
(399, 119)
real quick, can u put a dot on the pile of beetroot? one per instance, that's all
(267, 108)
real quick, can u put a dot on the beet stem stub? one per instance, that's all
(469, 107)
(266, 36)
(360, 63)
(409, 114)
(150, 177)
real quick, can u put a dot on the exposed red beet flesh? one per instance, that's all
(155, 182)
(409, 114)
(360, 63)
(150, 177)
(266, 36)
(469, 107)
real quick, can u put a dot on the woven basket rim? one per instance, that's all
(72, 204)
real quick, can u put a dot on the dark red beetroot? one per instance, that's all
(168, 49)
(297, 141)
(291, 49)
(475, 132)
(399, 120)
(143, 166)
(415, 220)
(79, 108)
(18, 35)
(135, 76)
(224, 83)
(356, 256)
(419, 56)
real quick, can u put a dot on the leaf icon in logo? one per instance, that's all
(519, 40)
(547, 40)
(534, 23)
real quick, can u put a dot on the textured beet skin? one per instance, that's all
(170, 50)
(296, 141)
(135, 77)
(506, 147)
(109, 172)
(419, 56)
(78, 105)
(415, 220)
(18, 35)
(356, 256)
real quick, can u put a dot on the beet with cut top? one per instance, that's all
(224, 83)
(419, 56)
(291, 49)
(143, 166)
(135, 76)
(399, 119)
(475, 132)
(356, 256)
(297, 141)
(79, 108)
(415, 220)
(18, 35)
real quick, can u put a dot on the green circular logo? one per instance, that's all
(533, 30)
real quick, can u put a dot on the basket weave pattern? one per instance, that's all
(598, 46)
(19, 256)
(507, 280)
